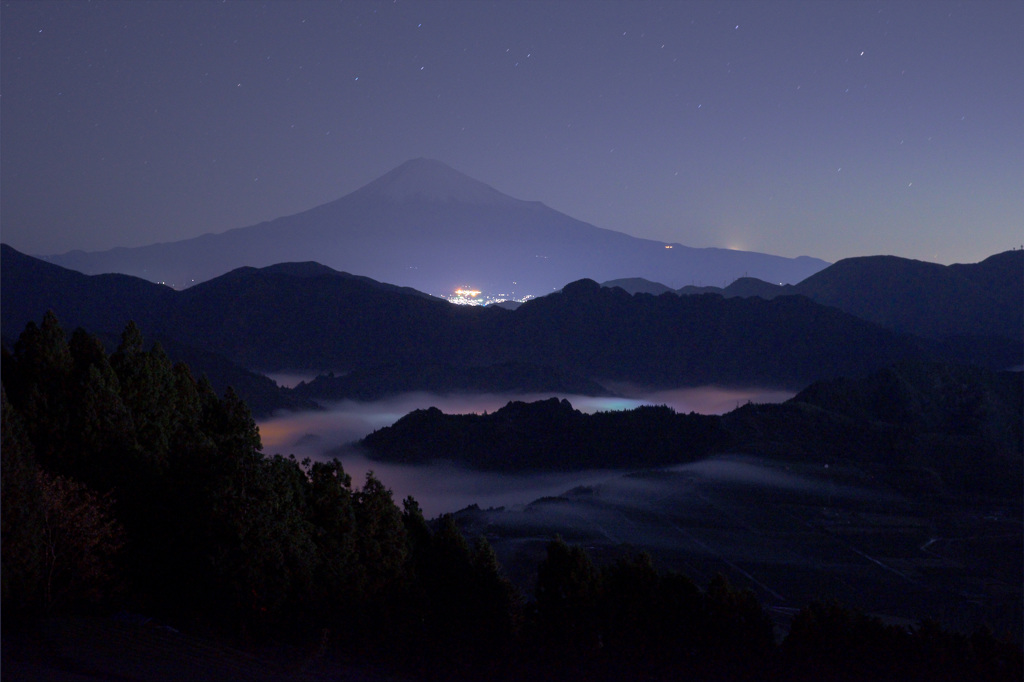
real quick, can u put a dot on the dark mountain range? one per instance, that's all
(980, 299)
(983, 299)
(672, 340)
(428, 226)
(924, 427)
(751, 286)
(104, 304)
(639, 285)
(299, 317)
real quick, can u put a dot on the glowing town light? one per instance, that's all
(476, 297)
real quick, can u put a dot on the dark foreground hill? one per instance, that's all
(310, 318)
(927, 427)
(129, 487)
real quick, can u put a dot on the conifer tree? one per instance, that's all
(21, 515)
(566, 599)
(380, 538)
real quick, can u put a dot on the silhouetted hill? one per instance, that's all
(638, 285)
(271, 320)
(1001, 274)
(104, 304)
(506, 305)
(305, 318)
(428, 226)
(743, 286)
(751, 286)
(312, 269)
(691, 289)
(973, 300)
(981, 299)
(926, 427)
(690, 340)
(31, 286)
(546, 435)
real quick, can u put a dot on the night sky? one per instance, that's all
(830, 129)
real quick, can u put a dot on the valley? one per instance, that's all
(792, 533)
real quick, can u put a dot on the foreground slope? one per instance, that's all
(128, 484)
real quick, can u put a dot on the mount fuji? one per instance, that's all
(427, 226)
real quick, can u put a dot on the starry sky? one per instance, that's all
(821, 128)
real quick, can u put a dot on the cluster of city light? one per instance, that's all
(465, 296)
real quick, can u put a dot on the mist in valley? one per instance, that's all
(445, 487)
(791, 531)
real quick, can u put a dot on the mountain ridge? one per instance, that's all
(430, 227)
(983, 299)
(951, 425)
(273, 320)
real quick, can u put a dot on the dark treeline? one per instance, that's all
(130, 485)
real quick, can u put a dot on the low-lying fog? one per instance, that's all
(442, 488)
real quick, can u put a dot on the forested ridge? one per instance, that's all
(129, 484)
(306, 317)
(957, 426)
